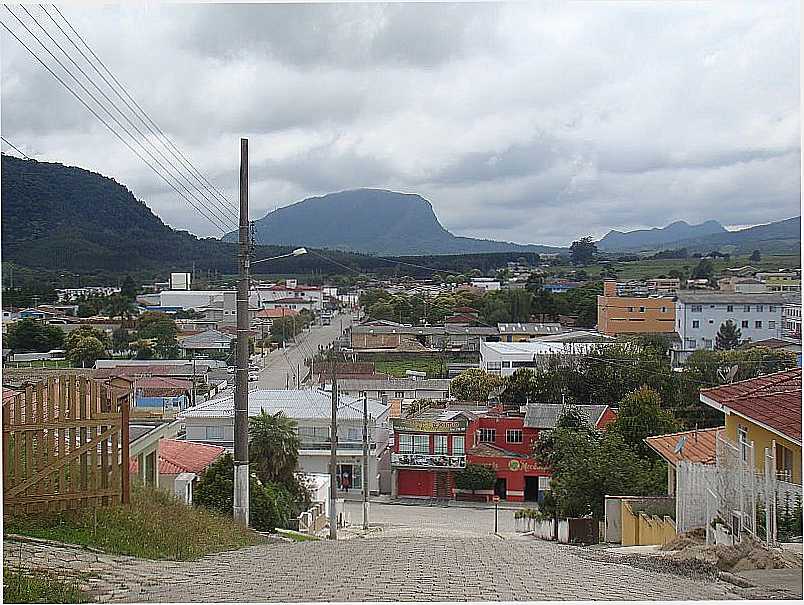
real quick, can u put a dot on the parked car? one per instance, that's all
(252, 377)
(230, 369)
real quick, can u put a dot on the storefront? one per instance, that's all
(426, 454)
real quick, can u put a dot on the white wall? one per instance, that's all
(713, 315)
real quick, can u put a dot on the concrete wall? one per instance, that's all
(635, 315)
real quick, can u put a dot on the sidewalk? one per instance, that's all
(502, 505)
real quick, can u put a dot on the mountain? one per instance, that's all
(373, 221)
(58, 221)
(657, 237)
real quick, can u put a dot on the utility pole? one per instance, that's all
(333, 459)
(365, 462)
(241, 512)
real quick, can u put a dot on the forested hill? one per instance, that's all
(62, 219)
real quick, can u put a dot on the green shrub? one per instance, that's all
(475, 476)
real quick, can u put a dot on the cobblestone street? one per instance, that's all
(394, 562)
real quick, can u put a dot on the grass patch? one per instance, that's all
(397, 368)
(42, 363)
(155, 525)
(296, 536)
(21, 586)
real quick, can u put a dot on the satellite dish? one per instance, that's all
(727, 374)
(495, 392)
(680, 445)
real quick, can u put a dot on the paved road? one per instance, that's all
(412, 553)
(281, 365)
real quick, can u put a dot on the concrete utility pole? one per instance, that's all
(333, 459)
(365, 462)
(241, 360)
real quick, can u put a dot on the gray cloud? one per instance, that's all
(524, 122)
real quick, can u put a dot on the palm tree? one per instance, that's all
(274, 446)
(121, 307)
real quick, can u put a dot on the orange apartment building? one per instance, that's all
(633, 314)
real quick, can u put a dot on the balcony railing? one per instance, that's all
(428, 461)
(342, 445)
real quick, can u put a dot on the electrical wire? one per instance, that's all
(209, 215)
(227, 206)
(14, 147)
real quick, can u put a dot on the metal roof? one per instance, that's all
(391, 384)
(529, 328)
(299, 404)
(545, 415)
(694, 297)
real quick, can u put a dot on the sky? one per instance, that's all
(525, 122)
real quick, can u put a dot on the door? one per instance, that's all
(531, 489)
(500, 488)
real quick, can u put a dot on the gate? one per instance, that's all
(65, 445)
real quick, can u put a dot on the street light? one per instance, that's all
(296, 252)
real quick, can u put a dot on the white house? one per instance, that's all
(309, 297)
(396, 388)
(485, 283)
(504, 358)
(699, 316)
(213, 422)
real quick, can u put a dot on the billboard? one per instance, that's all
(413, 425)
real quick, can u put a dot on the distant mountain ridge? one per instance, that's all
(371, 221)
(650, 238)
(779, 237)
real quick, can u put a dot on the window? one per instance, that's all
(742, 439)
(399, 394)
(729, 308)
(458, 445)
(696, 323)
(747, 308)
(487, 435)
(641, 309)
(664, 309)
(215, 433)
(757, 324)
(760, 308)
(744, 324)
(440, 444)
(772, 308)
(406, 444)
(494, 366)
(354, 434)
(707, 342)
(690, 343)
(772, 325)
(696, 309)
(421, 444)
(630, 309)
(506, 364)
(784, 463)
(513, 436)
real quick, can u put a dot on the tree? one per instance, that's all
(273, 446)
(755, 256)
(474, 477)
(519, 386)
(270, 504)
(119, 306)
(640, 415)
(84, 350)
(121, 339)
(160, 328)
(728, 336)
(129, 289)
(583, 251)
(83, 332)
(474, 385)
(703, 270)
(86, 309)
(143, 349)
(33, 335)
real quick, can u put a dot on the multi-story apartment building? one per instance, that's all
(633, 314)
(699, 316)
(791, 320)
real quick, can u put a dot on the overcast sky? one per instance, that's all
(534, 123)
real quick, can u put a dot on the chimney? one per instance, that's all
(609, 288)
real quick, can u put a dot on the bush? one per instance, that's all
(23, 586)
(271, 504)
(475, 476)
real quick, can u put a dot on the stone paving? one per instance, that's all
(389, 564)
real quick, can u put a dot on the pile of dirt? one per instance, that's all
(748, 554)
(695, 537)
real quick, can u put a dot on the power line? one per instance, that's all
(221, 201)
(125, 117)
(209, 216)
(14, 147)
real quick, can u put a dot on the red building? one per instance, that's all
(431, 446)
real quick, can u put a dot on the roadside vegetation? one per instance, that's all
(434, 368)
(155, 525)
(20, 586)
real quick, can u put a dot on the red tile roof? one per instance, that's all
(272, 313)
(699, 446)
(183, 457)
(291, 299)
(773, 401)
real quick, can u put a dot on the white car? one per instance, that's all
(252, 377)
(230, 369)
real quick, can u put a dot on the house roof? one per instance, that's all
(545, 415)
(274, 313)
(207, 338)
(538, 347)
(492, 451)
(154, 369)
(291, 299)
(299, 404)
(529, 328)
(183, 457)
(772, 343)
(772, 401)
(395, 384)
(699, 446)
(160, 386)
(697, 297)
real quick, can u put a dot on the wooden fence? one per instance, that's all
(65, 445)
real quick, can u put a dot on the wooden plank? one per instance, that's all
(93, 453)
(7, 447)
(104, 470)
(69, 459)
(103, 419)
(114, 458)
(40, 443)
(72, 400)
(59, 497)
(51, 443)
(124, 462)
(17, 455)
(30, 463)
(64, 414)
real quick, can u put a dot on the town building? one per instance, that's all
(395, 388)
(741, 285)
(699, 316)
(504, 358)
(780, 281)
(212, 422)
(74, 294)
(519, 332)
(209, 341)
(791, 320)
(487, 284)
(696, 446)
(633, 315)
(764, 412)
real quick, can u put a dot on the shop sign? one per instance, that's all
(411, 425)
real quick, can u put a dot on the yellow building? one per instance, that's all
(633, 314)
(765, 411)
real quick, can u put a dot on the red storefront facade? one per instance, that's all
(427, 453)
